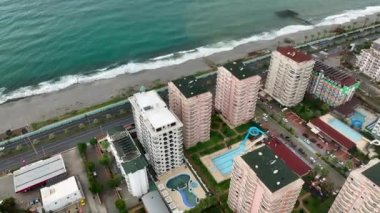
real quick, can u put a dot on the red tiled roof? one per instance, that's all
(291, 160)
(348, 108)
(332, 133)
(294, 54)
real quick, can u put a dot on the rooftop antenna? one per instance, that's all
(142, 88)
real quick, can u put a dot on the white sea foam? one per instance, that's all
(175, 58)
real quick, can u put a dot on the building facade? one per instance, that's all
(331, 85)
(369, 61)
(131, 163)
(361, 191)
(261, 182)
(376, 129)
(237, 89)
(288, 75)
(190, 100)
(158, 130)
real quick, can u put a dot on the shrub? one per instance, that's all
(82, 147)
(81, 126)
(95, 121)
(114, 182)
(120, 205)
(93, 141)
(105, 160)
(51, 136)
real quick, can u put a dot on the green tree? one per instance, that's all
(114, 182)
(105, 160)
(120, 205)
(95, 187)
(82, 147)
(93, 141)
(81, 126)
(90, 166)
(51, 136)
(95, 121)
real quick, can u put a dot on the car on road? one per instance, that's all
(313, 160)
(285, 120)
(302, 151)
(306, 141)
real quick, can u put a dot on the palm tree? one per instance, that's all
(306, 37)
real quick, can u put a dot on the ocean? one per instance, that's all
(49, 45)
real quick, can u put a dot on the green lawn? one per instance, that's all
(215, 138)
(227, 131)
(316, 205)
(243, 128)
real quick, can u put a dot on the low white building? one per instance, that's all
(369, 61)
(130, 162)
(61, 195)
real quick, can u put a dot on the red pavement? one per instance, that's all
(291, 160)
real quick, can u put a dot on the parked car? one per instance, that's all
(285, 120)
(312, 160)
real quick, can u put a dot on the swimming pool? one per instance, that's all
(184, 186)
(225, 161)
(357, 119)
(345, 130)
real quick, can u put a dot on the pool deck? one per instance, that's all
(173, 198)
(207, 159)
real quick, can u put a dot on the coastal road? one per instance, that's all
(49, 149)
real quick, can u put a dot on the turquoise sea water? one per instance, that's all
(43, 40)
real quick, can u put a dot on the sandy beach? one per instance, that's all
(41, 107)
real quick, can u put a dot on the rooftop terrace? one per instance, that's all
(191, 86)
(271, 170)
(334, 74)
(241, 70)
(294, 54)
(373, 173)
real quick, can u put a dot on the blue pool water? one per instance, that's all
(181, 183)
(357, 119)
(225, 161)
(345, 130)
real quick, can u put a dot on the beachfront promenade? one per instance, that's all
(14, 161)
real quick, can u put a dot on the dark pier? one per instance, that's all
(293, 15)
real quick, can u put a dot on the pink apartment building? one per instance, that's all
(361, 191)
(237, 90)
(191, 101)
(261, 182)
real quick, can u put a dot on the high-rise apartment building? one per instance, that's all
(159, 131)
(237, 90)
(261, 182)
(331, 85)
(288, 75)
(369, 61)
(191, 101)
(361, 191)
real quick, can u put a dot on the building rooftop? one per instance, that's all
(291, 160)
(240, 70)
(376, 44)
(294, 54)
(332, 133)
(155, 109)
(373, 173)
(134, 165)
(125, 147)
(271, 170)
(58, 191)
(115, 130)
(191, 86)
(153, 202)
(349, 107)
(334, 74)
(38, 172)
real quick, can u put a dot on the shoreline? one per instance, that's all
(21, 112)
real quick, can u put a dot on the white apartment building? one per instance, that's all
(130, 162)
(288, 75)
(369, 61)
(237, 90)
(361, 191)
(376, 129)
(159, 131)
(62, 195)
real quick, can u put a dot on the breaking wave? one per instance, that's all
(174, 58)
